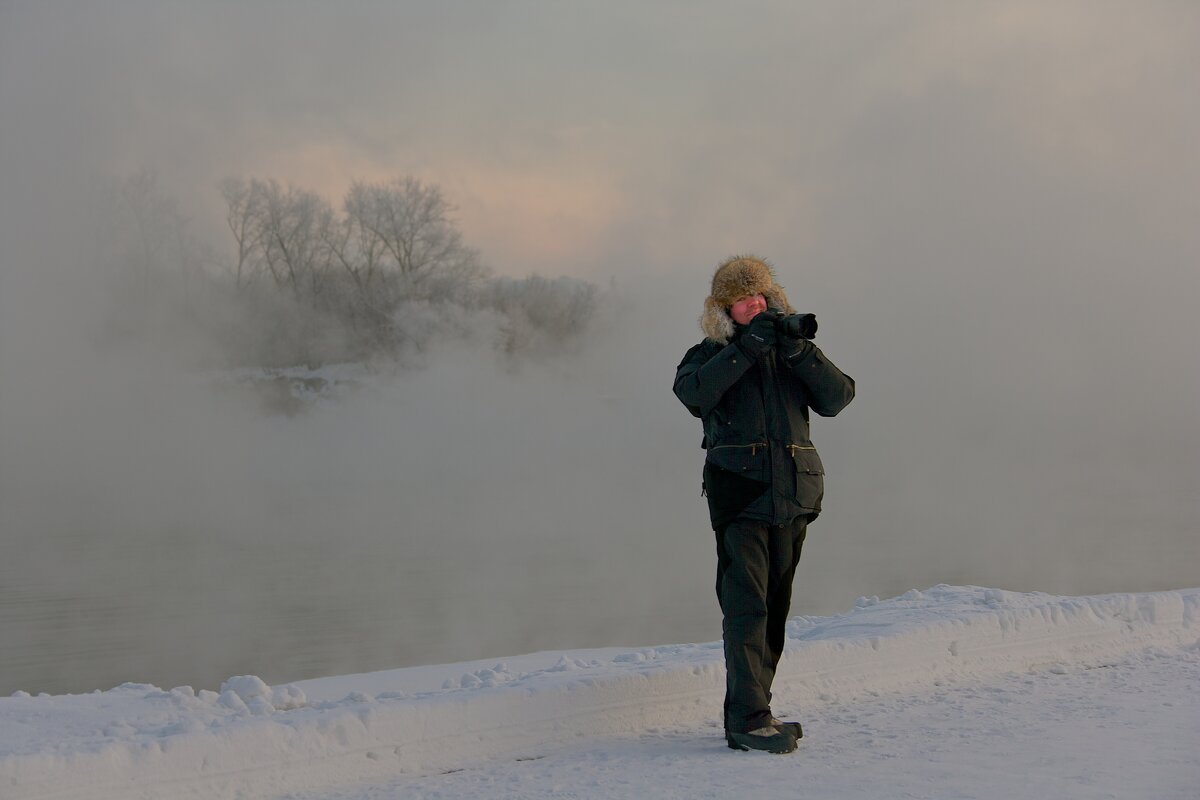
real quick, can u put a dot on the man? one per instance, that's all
(752, 382)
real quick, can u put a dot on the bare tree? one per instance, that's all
(153, 227)
(294, 233)
(410, 224)
(242, 215)
(153, 239)
(379, 277)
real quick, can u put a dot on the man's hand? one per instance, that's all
(793, 350)
(759, 335)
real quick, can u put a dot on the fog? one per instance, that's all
(990, 209)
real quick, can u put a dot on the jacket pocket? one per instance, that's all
(749, 460)
(810, 476)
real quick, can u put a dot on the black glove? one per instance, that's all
(758, 336)
(794, 350)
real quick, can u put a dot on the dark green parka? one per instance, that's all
(761, 463)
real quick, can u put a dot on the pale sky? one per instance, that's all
(572, 135)
(991, 206)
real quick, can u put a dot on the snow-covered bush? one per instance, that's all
(542, 314)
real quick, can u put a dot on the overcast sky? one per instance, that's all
(572, 134)
(991, 206)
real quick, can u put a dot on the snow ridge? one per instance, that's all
(139, 741)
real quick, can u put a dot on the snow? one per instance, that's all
(949, 692)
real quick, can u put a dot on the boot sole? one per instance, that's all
(780, 743)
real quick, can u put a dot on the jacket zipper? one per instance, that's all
(753, 447)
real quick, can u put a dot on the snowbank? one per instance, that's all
(139, 741)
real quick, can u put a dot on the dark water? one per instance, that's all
(183, 607)
(177, 610)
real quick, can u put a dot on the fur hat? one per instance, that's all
(735, 278)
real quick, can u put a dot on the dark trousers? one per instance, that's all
(756, 562)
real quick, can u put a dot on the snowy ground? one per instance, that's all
(1126, 730)
(956, 692)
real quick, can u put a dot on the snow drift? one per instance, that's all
(139, 741)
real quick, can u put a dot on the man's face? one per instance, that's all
(747, 308)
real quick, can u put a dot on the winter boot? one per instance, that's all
(764, 738)
(792, 728)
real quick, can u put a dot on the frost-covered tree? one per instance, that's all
(390, 273)
(242, 215)
(408, 224)
(153, 240)
(294, 230)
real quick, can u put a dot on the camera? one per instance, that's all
(794, 326)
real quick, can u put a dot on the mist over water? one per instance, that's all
(993, 221)
(163, 531)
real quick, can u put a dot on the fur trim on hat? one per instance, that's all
(735, 278)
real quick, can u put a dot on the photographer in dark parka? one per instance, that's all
(752, 382)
